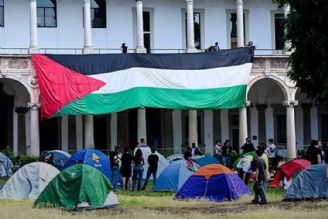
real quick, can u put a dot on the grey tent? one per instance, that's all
(29, 181)
(6, 166)
(310, 184)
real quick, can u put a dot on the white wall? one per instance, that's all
(167, 20)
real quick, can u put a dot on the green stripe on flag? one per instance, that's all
(215, 98)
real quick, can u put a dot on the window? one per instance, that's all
(98, 13)
(279, 30)
(147, 30)
(197, 29)
(233, 29)
(1, 13)
(47, 13)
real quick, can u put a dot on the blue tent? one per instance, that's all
(59, 158)
(92, 157)
(310, 184)
(206, 160)
(173, 176)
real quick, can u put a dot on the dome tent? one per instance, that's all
(6, 165)
(289, 171)
(173, 176)
(206, 160)
(28, 181)
(59, 158)
(213, 182)
(78, 187)
(310, 184)
(91, 157)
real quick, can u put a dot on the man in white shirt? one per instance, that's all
(272, 149)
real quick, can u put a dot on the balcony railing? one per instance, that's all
(25, 51)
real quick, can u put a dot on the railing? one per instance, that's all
(25, 51)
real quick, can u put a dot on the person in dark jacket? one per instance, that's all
(152, 169)
(248, 146)
(126, 169)
(226, 153)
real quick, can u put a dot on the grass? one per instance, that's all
(161, 205)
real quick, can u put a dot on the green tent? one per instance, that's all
(244, 157)
(78, 187)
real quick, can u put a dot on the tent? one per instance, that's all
(213, 182)
(174, 157)
(310, 184)
(59, 158)
(92, 157)
(78, 187)
(6, 166)
(28, 181)
(244, 161)
(162, 162)
(288, 171)
(206, 160)
(173, 176)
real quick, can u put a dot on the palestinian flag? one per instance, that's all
(105, 83)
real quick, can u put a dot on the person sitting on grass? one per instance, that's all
(152, 169)
(260, 179)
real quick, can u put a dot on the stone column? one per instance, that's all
(190, 27)
(142, 130)
(88, 131)
(113, 130)
(254, 125)
(242, 126)
(177, 131)
(224, 117)
(64, 133)
(79, 132)
(193, 134)
(291, 135)
(34, 125)
(314, 123)
(87, 28)
(208, 131)
(140, 31)
(240, 25)
(33, 27)
(269, 125)
(15, 132)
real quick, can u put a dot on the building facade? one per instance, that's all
(275, 107)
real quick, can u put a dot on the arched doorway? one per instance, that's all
(267, 114)
(14, 116)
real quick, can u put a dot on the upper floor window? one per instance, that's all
(47, 13)
(98, 13)
(233, 29)
(279, 30)
(2, 23)
(147, 30)
(197, 30)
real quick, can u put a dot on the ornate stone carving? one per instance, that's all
(33, 81)
(17, 64)
(259, 64)
(290, 103)
(278, 63)
(33, 106)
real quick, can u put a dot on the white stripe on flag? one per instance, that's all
(174, 79)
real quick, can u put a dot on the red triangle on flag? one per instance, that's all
(60, 85)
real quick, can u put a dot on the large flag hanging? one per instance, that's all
(98, 84)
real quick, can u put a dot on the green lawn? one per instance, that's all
(148, 205)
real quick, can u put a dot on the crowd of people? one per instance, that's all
(127, 170)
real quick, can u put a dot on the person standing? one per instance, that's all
(248, 146)
(195, 151)
(126, 169)
(314, 154)
(226, 153)
(124, 48)
(216, 47)
(142, 143)
(115, 167)
(218, 151)
(152, 169)
(138, 161)
(260, 179)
